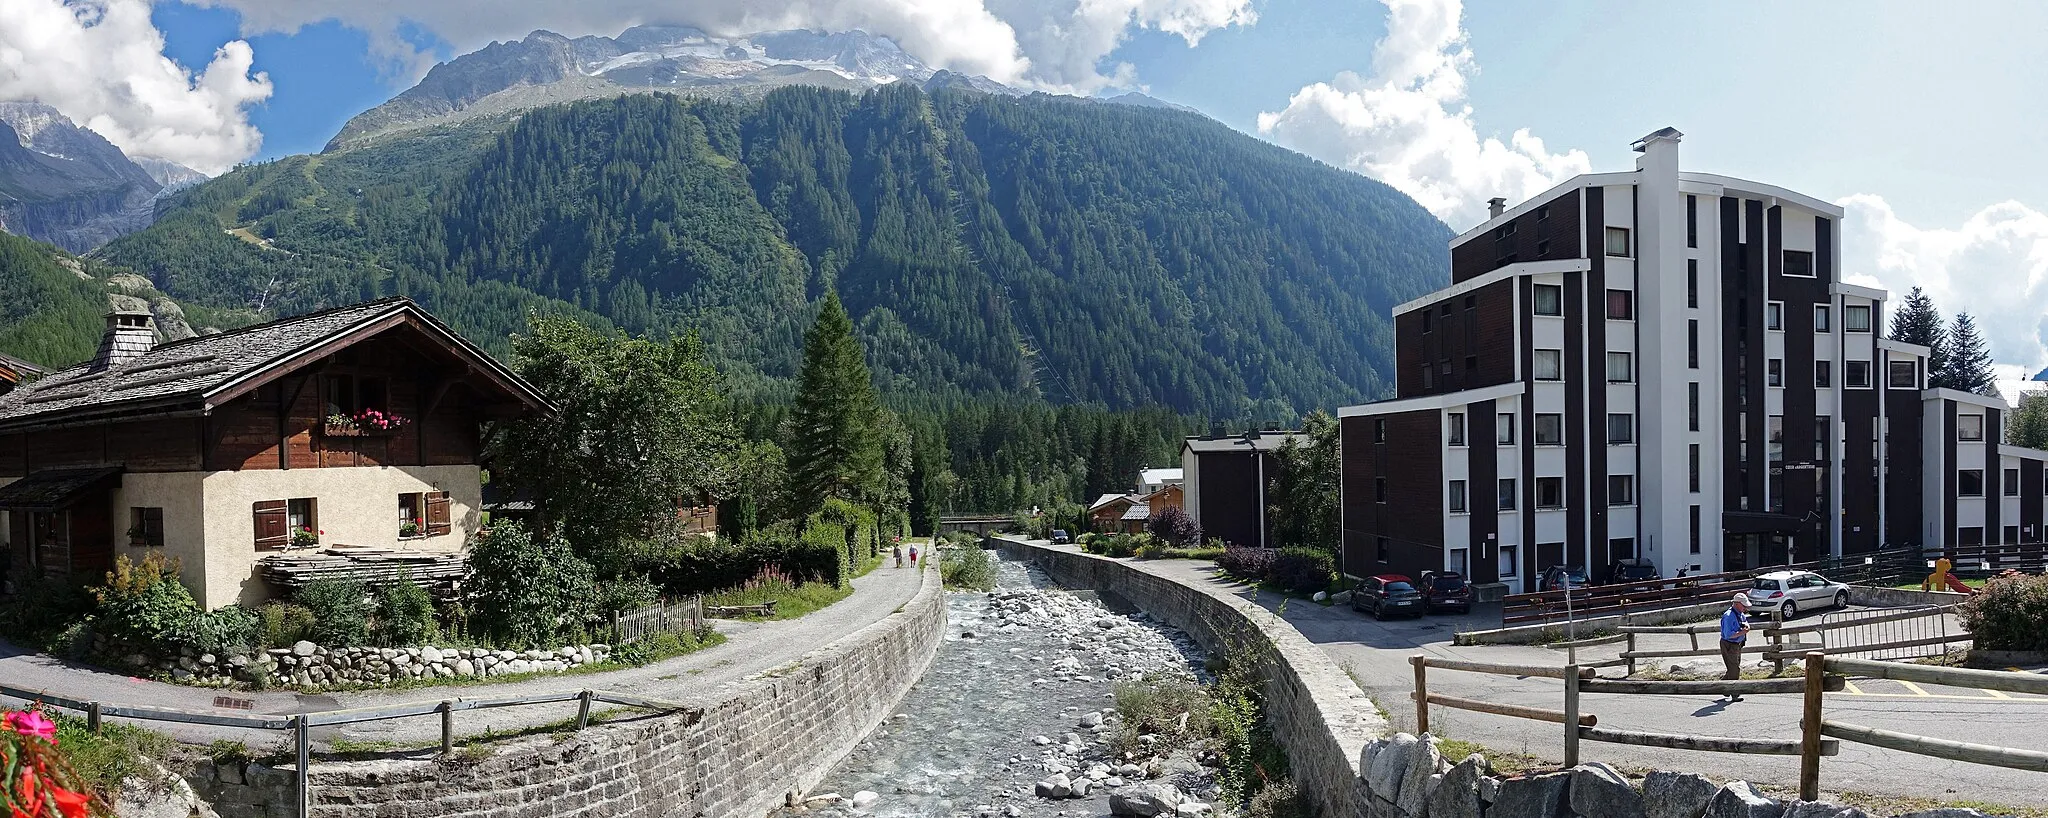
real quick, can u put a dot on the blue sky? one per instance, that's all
(1921, 119)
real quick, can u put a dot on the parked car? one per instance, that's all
(1555, 578)
(1445, 591)
(1634, 569)
(1059, 536)
(1388, 593)
(1786, 593)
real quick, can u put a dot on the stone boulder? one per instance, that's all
(1676, 795)
(1740, 799)
(865, 799)
(1533, 796)
(1457, 795)
(1424, 763)
(1946, 812)
(1145, 800)
(1387, 766)
(1598, 789)
(1822, 809)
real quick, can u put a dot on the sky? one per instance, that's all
(1918, 118)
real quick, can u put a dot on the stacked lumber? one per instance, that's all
(373, 566)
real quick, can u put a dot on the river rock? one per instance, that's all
(865, 799)
(1041, 740)
(1946, 812)
(1192, 808)
(1533, 796)
(1080, 787)
(303, 648)
(1145, 800)
(463, 667)
(1091, 719)
(1822, 809)
(1457, 795)
(1057, 786)
(1676, 795)
(1598, 789)
(1740, 799)
(431, 655)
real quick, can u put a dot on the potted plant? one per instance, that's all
(341, 425)
(306, 537)
(409, 528)
(376, 421)
(137, 535)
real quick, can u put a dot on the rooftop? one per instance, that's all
(1249, 441)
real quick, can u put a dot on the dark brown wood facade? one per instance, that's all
(1393, 507)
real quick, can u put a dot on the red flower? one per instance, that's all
(32, 722)
(71, 804)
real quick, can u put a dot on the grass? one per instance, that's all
(118, 751)
(1503, 763)
(792, 601)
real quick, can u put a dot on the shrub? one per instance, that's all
(228, 629)
(1246, 563)
(1175, 527)
(627, 593)
(1279, 799)
(43, 608)
(1155, 549)
(341, 612)
(143, 602)
(2010, 613)
(283, 624)
(1303, 570)
(764, 587)
(526, 593)
(1114, 545)
(1154, 703)
(405, 613)
(968, 568)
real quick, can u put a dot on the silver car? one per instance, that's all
(1786, 593)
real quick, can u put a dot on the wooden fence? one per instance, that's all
(301, 724)
(1885, 567)
(1933, 632)
(661, 617)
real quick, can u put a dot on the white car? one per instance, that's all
(1786, 593)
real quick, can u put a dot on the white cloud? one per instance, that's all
(1057, 45)
(101, 63)
(1994, 266)
(1408, 124)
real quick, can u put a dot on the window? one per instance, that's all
(1542, 248)
(1457, 489)
(1901, 374)
(1799, 263)
(1549, 299)
(1692, 220)
(1621, 489)
(352, 394)
(1379, 430)
(1620, 367)
(279, 522)
(1969, 427)
(2009, 485)
(1548, 364)
(1549, 429)
(146, 526)
(1504, 231)
(1970, 535)
(423, 514)
(1504, 428)
(1428, 381)
(1774, 315)
(1506, 501)
(1383, 549)
(2012, 534)
(1621, 305)
(1457, 435)
(1856, 318)
(1542, 212)
(1820, 318)
(1507, 561)
(1856, 374)
(1692, 283)
(1692, 343)
(1617, 241)
(1774, 438)
(1428, 321)
(1693, 467)
(1621, 428)
(1823, 374)
(1550, 492)
(1774, 372)
(1695, 522)
(1823, 429)
(1970, 483)
(1379, 489)
(1692, 406)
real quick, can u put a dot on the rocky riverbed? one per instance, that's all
(1015, 717)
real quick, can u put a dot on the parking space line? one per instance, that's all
(1997, 694)
(1916, 688)
(1852, 689)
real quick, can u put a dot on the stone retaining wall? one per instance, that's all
(1902, 597)
(745, 752)
(1317, 713)
(307, 665)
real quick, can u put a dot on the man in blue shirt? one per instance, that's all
(1734, 633)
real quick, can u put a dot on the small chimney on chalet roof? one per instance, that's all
(1496, 206)
(130, 333)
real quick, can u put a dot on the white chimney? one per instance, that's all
(1496, 206)
(130, 333)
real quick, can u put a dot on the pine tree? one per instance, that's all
(1968, 364)
(835, 440)
(1919, 322)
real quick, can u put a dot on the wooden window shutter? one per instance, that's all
(272, 529)
(437, 513)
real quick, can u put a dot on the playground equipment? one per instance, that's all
(1941, 578)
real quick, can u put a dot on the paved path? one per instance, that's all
(750, 648)
(1376, 654)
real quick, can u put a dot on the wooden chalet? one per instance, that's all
(15, 371)
(350, 428)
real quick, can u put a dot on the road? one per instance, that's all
(750, 648)
(1376, 654)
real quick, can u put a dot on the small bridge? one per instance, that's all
(982, 524)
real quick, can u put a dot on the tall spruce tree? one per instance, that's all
(1968, 364)
(836, 445)
(1918, 321)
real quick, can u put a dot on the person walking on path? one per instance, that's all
(913, 557)
(898, 550)
(1734, 635)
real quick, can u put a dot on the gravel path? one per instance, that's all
(750, 648)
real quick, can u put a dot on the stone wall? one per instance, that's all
(745, 750)
(1317, 713)
(306, 665)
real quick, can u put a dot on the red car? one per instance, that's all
(1387, 593)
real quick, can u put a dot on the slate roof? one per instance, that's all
(52, 489)
(193, 368)
(1107, 499)
(1265, 442)
(18, 365)
(1150, 476)
(1137, 511)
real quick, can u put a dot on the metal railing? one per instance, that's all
(301, 724)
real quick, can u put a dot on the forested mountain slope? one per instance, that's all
(1036, 247)
(53, 309)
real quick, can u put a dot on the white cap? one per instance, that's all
(1741, 599)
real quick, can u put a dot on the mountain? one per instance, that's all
(66, 185)
(54, 313)
(547, 68)
(1143, 101)
(1033, 247)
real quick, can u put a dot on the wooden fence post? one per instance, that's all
(303, 736)
(1630, 653)
(92, 717)
(1421, 693)
(1809, 728)
(1571, 716)
(583, 710)
(1778, 648)
(447, 728)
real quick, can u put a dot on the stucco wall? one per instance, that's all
(1317, 713)
(355, 506)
